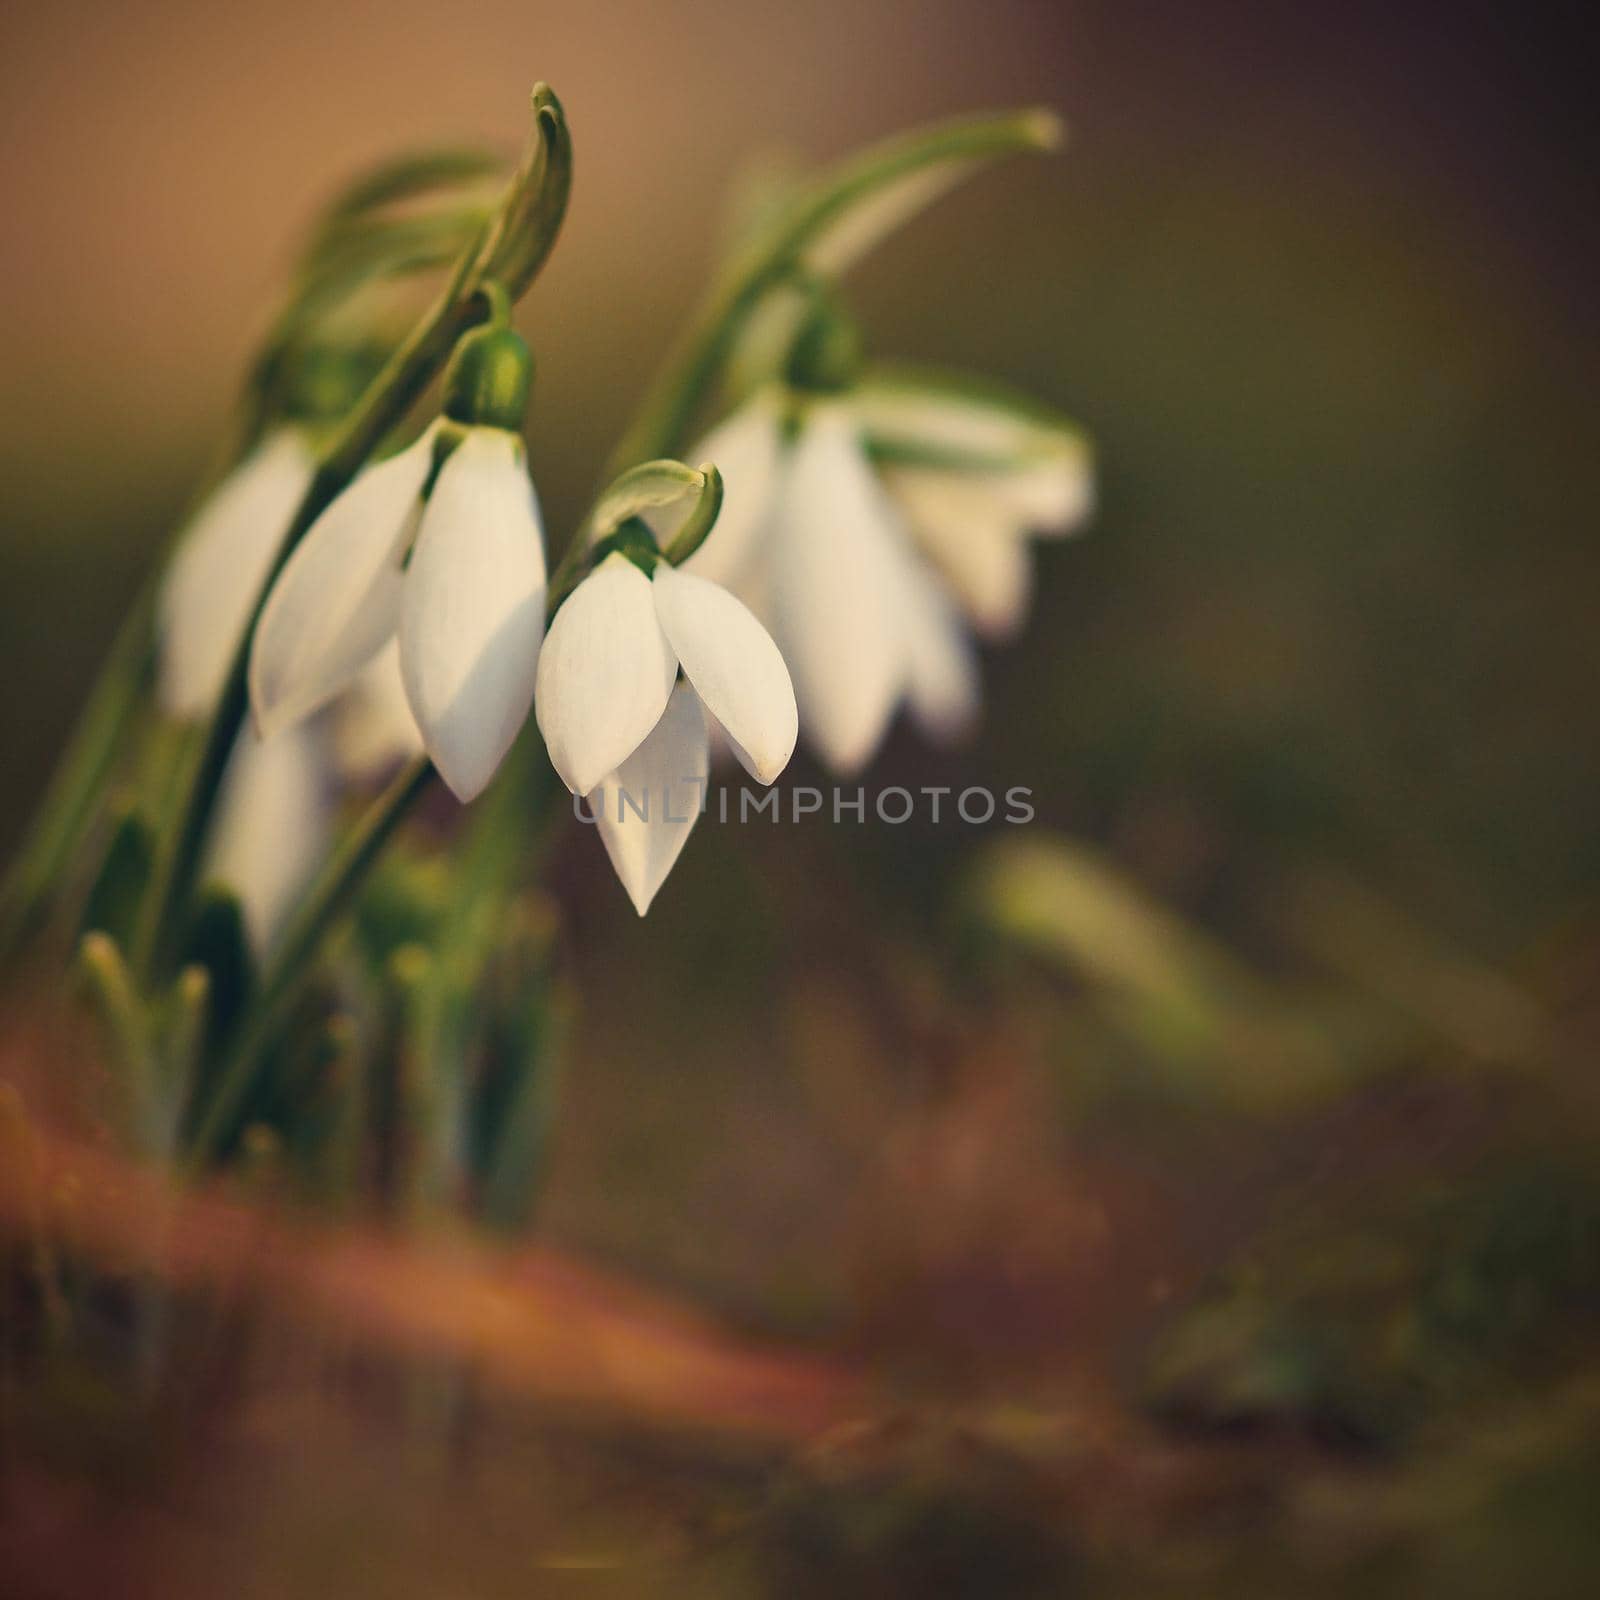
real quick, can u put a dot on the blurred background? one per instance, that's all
(1207, 1169)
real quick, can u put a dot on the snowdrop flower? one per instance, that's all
(619, 726)
(440, 548)
(273, 824)
(976, 475)
(861, 520)
(221, 562)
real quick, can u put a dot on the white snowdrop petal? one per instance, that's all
(734, 666)
(273, 822)
(665, 780)
(975, 541)
(1048, 498)
(834, 592)
(373, 728)
(337, 601)
(942, 686)
(472, 610)
(604, 674)
(745, 449)
(220, 565)
(978, 422)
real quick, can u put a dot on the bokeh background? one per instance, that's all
(1292, 1035)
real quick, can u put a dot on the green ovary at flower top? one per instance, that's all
(439, 547)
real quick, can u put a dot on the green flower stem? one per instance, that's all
(510, 254)
(692, 367)
(488, 868)
(821, 233)
(385, 403)
(329, 897)
(67, 809)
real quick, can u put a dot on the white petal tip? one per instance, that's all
(767, 773)
(465, 789)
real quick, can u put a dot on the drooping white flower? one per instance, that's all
(458, 579)
(851, 534)
(838, 589)
(222, 560)
(606, 705)
(274, 816)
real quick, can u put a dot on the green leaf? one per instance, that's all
(70, 805)
(128, 1032)
(219, 945)
(1201, 1017)
(113, 904)
(185, 1029)
(331, 1133)
(515, 1110)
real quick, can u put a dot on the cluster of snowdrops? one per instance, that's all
(794, 543)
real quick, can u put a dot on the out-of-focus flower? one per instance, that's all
(441, 547)
(612, 721)
(373, 729)
(977, 474)
(221, 562)
(273, 822)
(861, 522)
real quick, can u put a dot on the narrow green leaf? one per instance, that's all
(71, 803)
(113, 904)
(1208, 1022)
(126, 1028)
(220, 946)
(184, 1032)
(516, 1105)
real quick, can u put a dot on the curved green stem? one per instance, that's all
(329, 897)
(823, 232)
